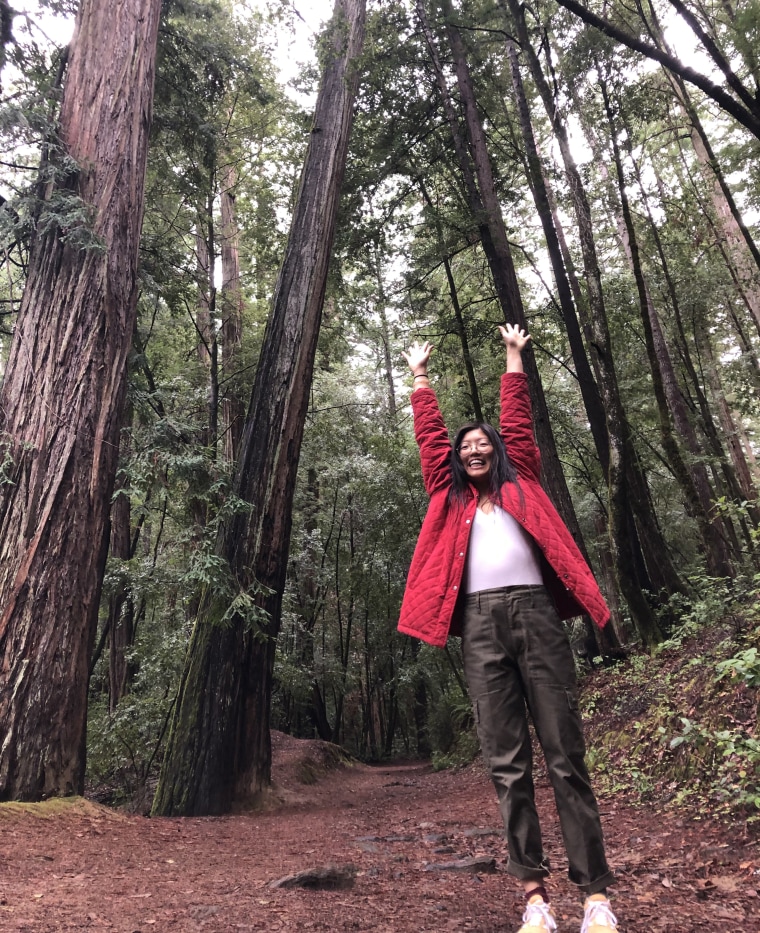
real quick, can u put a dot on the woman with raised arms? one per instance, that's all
(495, 564)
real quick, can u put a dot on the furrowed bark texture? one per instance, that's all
(219, 748)
(61, 406)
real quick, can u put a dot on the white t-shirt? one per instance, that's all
(500, 553)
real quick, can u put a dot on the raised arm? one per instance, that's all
(515, 340)
(417, 357)
(429, 429)
(516, 414)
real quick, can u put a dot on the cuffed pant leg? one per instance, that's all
(549, 674)
(496, 690)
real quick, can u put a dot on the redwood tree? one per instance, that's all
(62, 398)
(219, 746)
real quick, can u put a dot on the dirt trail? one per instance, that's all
(82, 867)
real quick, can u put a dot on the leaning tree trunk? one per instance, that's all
(62, 398)
(743, 253)
(219, 748)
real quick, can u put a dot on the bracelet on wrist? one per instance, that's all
(420, 376)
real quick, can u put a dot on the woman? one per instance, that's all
(495, 564)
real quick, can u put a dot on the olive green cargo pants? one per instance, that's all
(517, 659)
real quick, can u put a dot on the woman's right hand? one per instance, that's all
(417, 357)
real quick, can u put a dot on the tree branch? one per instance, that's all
(724, 100)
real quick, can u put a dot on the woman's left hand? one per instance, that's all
(514, 337)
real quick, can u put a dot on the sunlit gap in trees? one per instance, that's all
(295, 41)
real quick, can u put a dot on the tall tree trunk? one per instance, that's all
(589, 391)
(744, 107)
(729, 429)
(233, 409)
(742, 251)
(61, 403)
(626, 483)
(219, 748)
(667, 577)
(385, 335)
(711, 525)
(722, 468)
(664, 578)
(203, 263)
(485, 206)
(420, 704)
(469, 368)
(345, 621)
(207, 350)
(592, 400)
(120, 621)
(208, 344)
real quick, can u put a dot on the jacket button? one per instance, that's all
(454, 588)
(461, 553)
(467, 521)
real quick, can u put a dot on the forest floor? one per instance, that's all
(398, 832)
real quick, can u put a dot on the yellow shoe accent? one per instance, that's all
(598, 916)
(538, 917)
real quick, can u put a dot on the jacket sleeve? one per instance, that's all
(433, 440)
(517, 426)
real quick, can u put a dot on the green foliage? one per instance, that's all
(726, 763)
(72, 219)
(452, 731)
(681, 725)
(711, 600)
(124, 744)
(408, 263)
(743, 667)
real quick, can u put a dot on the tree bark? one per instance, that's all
(61, 403)
(715, 543)
(662, 570)
(233, 408)
(626, 483)
(120, 621)
(742, 252)
(484, 204)
(592, 399)
(469, 368)
(219, 749)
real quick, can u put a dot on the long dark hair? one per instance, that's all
(502, 469)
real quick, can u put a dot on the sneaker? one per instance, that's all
(538, 917)
(598, 916)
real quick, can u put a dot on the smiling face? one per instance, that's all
(476, 453)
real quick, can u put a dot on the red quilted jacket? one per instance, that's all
(435, 575)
